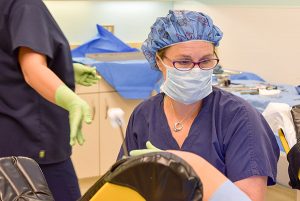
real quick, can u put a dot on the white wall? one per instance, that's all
(260, 39)
(132, 19)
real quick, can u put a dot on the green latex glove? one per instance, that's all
(150, 148)
(78, 109)
(85, 75)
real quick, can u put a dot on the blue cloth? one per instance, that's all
(105, 41)
(133, 79)
(179, 26)
(229, 192)
(62, 180)
(228, 132)
(279, 143)
(246, 76)
(288, 95)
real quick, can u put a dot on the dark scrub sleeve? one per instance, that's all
(250, 147)
(28, 27)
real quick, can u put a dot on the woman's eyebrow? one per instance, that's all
(207, 55)
(184, 57)
(188, 57)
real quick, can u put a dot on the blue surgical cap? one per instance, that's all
(179, 26)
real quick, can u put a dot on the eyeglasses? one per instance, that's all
(186, 65)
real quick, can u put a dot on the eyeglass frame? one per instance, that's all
(195, 63)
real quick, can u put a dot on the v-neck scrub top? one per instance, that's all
(228, 132)
(29, 124)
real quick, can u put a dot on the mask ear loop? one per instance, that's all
(158, 59)
(163, 63)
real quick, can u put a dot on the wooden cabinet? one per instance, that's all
(86, 157)
(110, 137)
(102, 141)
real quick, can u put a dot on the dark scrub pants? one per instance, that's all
(61, 177)
(30, 125)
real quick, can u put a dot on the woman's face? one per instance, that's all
(191, 50)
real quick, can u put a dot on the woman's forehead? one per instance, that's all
(191, 47)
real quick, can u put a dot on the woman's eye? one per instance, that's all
(184, 62)
(206, 61)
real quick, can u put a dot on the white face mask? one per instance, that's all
(187, 87)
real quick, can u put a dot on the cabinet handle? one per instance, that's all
(106, 108)
(93, 110)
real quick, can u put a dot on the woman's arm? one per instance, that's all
(48, 85)
(255, 187)
(37, 74)
(215, 185)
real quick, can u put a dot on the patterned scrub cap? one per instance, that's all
(179, 26)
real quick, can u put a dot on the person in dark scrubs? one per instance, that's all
(191, 115)
(40, 115)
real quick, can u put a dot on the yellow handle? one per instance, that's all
(285, 145)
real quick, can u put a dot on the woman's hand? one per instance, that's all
(85, 75)
(150, 148)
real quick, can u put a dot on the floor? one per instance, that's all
(281, 193)
(274, 193)
(85, 184)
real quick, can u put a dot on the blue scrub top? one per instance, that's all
(30, 125)
(228, 132)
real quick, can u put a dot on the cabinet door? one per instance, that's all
(86, 158)
(80, 89)
(110, 138)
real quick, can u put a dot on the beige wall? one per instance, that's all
(263, 40)
(260, 39)
(131, 19)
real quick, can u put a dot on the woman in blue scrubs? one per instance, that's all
(191, 115)
(40, 115)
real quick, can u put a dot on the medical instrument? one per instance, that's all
(223, 76)
(269, 92)
(283, 141)
(116, 116)
(251, 92)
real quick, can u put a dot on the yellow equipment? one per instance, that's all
(157, 176)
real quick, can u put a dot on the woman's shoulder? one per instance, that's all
(223, 98)
(22, 3)
(30, 8)
(227, 106)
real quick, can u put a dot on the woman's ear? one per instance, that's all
(158, 62)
